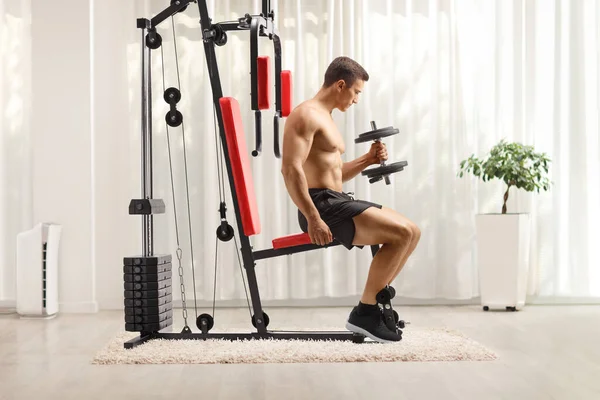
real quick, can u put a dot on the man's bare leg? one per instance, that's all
(416, 236)
(374, 226)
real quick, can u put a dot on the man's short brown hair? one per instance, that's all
(344, 68)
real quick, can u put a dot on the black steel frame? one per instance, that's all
(260, 26)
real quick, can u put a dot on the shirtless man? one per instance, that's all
(314, 172)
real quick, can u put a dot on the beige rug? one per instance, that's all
(417, 344)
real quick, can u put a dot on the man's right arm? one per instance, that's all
(298, 136)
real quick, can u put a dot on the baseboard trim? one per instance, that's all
(353, 300)
(83, 307)
(325, 302)
(321, 302)
(557, 301)
(8, 307)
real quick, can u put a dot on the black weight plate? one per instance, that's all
(376, 134)
(385, 170)
(147, 261)
(147, 285)
(148, 327)
(147, 277)
(146, 269)
(148, 310)
(148, 302)
(149, 319)
(147, 294)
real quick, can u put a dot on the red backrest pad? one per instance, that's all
(263, 68)
(286, 93)
(240, 165)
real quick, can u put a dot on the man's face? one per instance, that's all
(349, 95)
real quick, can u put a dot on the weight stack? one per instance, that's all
(148, 293)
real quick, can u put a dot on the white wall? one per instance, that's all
(116, 233)
(84, 134)
(61, 137)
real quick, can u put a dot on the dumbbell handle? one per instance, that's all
(382, 163)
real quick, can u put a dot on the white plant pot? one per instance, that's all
(503, 259)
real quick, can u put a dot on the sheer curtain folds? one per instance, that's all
(455, 77)
(15, 160)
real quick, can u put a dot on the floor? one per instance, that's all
(545, 352)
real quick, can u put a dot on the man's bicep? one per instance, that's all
(297, 141)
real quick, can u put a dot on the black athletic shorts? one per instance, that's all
(337, 210)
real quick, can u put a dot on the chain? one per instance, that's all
(182, 285)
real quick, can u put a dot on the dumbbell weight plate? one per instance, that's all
(385, 170)
(376, 134)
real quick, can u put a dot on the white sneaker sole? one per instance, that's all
(356, 329)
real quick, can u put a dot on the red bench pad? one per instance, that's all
(264, 82)
(240, 165)
(286, 93)
(291, 240)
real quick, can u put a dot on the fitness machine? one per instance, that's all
(148, 277)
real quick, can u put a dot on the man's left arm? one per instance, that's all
(355, 167)
(376, 154)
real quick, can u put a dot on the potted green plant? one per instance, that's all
(503, 238)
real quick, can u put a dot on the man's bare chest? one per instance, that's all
(329, 139)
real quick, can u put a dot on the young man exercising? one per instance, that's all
(314, 173)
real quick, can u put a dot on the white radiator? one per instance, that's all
(37, 271)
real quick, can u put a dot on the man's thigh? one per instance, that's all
(378, 226)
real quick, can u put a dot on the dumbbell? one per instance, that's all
(384, 170)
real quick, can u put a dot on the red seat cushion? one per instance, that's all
(286, 93)
(263, 68)
(291, 240)
(240, 165)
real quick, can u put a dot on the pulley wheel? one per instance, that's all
(220, 37)
(376, 134)
(222, 40)
(153, 40)
(205, 322)
(266, 320)
(174, 119)
(225, 235)
(177, 1)
(172, 94)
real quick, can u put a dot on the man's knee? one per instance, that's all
(402, 233)
(416, 232)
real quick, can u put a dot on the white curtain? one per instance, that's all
(15, 160)
(455, 77)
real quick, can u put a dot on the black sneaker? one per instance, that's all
(371, 325)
